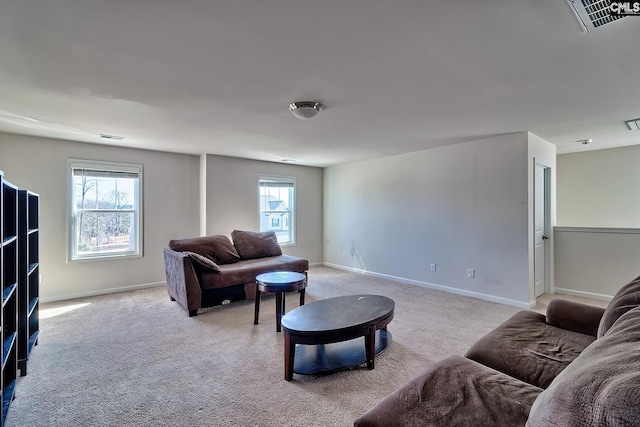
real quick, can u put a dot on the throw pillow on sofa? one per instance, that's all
(255, 244)
(203, 262)
(218, 248)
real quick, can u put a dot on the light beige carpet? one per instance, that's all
(137, 359)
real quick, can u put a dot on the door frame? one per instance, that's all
(548, 287)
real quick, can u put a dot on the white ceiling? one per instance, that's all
(210, 76)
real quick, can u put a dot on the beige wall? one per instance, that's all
(232, 200)
(395, 215)
(462, 206)
(599, 188)
(598, 234)
(170, 195)
(596, 263)
(184, 196)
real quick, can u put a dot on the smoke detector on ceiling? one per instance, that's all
(114, 137)
(593, 14)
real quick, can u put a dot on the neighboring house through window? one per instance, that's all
(275, 223)
(276, 196)
(105, 210)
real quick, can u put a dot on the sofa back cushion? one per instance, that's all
(255, 244)
(217, 248)
(627, 298)
(601, 387)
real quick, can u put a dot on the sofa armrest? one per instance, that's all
(182, 282)
(574, 316)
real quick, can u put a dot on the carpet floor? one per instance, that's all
(137, 359)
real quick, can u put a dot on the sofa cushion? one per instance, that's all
(255, 244)
(601, 387)
(454, 392)
(627, 298)
(203, 262)
(218, 248)
(528, 348)
(245, 271)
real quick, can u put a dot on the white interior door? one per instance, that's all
(541, 227)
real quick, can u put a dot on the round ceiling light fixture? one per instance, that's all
(305, 109)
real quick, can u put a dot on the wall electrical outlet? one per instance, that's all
(344, 253)
(433, 267)
(471, 273)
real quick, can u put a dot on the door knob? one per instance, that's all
(545, 237)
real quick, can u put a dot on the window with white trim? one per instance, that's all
(276, 200)
(105, 210)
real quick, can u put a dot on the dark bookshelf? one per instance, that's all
(28, 277)
(9, 283)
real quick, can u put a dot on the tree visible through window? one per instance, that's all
(106, 218)
(276, 200)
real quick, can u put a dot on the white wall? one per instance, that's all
(598, 233)
(599, 188)
(232, 200)
(170, 211)
(462, 206)
(174, 204)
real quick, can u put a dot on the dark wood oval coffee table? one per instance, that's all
(279, 282)
(336, 320)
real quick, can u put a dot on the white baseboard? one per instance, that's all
(449, 289)
(316, 264)
(584, 294)
(100, 292)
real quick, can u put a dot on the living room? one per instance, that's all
(389, 208)
(349, 223)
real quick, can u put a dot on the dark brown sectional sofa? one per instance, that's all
(577, 366)
(210, 270)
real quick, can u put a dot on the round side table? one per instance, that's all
(279, 282)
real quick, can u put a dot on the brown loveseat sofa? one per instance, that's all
(210, 270)
(577, 366)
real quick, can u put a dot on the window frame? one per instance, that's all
(292, 206)
(106, 166)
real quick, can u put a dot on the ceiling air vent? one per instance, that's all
(593, 14)
(633, 124)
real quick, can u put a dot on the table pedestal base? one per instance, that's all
(327, 358)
